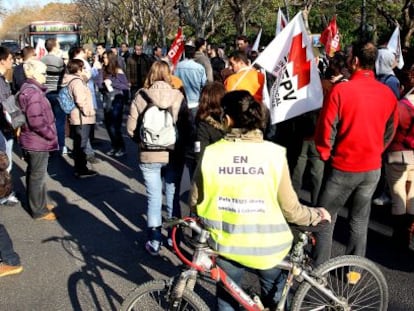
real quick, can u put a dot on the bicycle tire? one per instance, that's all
(364, 290)
(154, 295)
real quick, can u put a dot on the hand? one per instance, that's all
(324, 214)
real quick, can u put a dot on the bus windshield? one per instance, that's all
(66, 41)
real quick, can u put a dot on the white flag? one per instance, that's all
(40, 48)
(289, 58)
(255, 46)
(281, 21)
(394, 45)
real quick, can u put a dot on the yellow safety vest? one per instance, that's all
(240, 205)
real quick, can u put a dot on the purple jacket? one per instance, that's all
(39, 134)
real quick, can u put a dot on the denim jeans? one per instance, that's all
(7, 253)
(80, 139)
(113, 123)
(60, 118)
(153, 184)
(271, 284)
(309, 153)
(338, 188)
(9, 152)
(36, 173)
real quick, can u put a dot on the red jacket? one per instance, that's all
(357, 122)
(404, 137)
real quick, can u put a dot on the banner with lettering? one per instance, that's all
(394, 45)
(289, 58)
(281, 21)
(177, 48)
(330, 38)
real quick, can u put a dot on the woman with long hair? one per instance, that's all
(155, 164)
(82, 117)
(113, 82)
(209, 127)
(243, 195)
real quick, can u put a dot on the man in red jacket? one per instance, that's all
(357, 122)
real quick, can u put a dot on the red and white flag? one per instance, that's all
(330, 38)
(289, 58)
(177, 48)
(394, 45)
(281, 21)
(40, 48)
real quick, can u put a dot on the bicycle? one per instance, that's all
(342, 283)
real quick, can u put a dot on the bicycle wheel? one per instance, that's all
(353, 279)
(154, 295)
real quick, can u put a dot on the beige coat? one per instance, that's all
(163, 95)
(83, 98)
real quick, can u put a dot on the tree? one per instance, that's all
(198, 14)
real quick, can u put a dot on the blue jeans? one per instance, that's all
(9, 151)
(338, 188)
(60, 118)
(7, 253)
(36, 190)
(271, 284)
(153, 184)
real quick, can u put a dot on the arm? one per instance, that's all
(391, 126)
(293, 211)
(133, 115)
(120, 81)
(35, 115)
(326, 128)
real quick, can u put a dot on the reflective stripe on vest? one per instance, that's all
(240, 206)
(243, 228)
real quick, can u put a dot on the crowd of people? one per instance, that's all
(359, 145)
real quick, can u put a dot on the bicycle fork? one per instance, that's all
(186, 280)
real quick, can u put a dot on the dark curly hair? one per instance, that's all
(246, 113)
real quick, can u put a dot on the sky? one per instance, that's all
(13, 4)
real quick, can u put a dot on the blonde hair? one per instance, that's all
(159, 71)
(33, 67)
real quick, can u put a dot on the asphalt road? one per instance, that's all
(93, 256)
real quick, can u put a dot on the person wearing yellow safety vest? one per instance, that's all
(243, 194)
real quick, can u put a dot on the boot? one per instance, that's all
(400, 232)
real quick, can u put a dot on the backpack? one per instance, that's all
(14, 115)
(66, 101)
(156, 128)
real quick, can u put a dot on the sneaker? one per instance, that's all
(10, 200)
(64, 150)
(86, 174)
(170, 242)
(48, 216)
(153, 247)
(382, 200)
(119, 153)
(6, 269)
(111, 152)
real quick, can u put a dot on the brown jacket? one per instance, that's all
(83, 98)
(163, 95)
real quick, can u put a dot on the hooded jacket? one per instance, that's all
(164, 96)
(83, 99)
